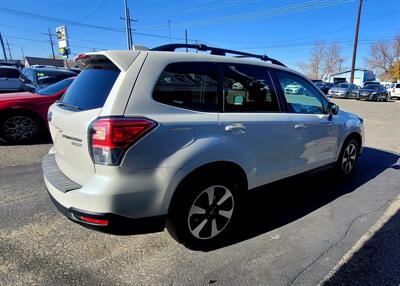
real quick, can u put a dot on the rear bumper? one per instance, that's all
(111, 192)
(116, 224)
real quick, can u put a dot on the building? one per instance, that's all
(30, 61)
(360, 76)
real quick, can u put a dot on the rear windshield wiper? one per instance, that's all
(69, 105)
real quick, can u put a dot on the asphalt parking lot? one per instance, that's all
(302, 231)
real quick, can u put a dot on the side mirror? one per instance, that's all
(333, 109)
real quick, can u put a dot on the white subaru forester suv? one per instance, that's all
(180, 137)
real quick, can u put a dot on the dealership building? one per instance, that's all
(360, 76)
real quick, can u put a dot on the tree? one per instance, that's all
(395, 71)
(324, 61)
(382, 57)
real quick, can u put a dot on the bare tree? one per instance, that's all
(383, 55)
(324, 61)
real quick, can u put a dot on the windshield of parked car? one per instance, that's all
(50, 77)
(54, 88)
(343, 85)
(372, 86)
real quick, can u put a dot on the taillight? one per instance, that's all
(109, 138)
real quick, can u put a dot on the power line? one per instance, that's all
(73, 23)
(250, 16)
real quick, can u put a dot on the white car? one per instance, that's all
(9, 79)
(177, 137)
(394, 90)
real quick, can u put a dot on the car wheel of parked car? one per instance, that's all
(19, 128)
(203, 212)
(348, 157)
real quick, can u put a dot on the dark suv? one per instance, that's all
(36, 78)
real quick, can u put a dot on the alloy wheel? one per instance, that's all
(349, 158)
(19, 127)
(211, 212)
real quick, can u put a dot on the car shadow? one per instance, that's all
(280, 203)
(377, 262)
(45, 139)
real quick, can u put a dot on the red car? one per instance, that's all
(23, 115)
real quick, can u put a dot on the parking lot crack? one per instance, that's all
(339, 241)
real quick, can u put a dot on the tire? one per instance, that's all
(195, 222)
(348, 158)
(20, 128)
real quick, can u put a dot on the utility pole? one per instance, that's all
(127, 26)
(2, 45)
(169, 31)
(186, 41)
(22, 51)
(353, 62)
(130, 29)
(51, 44)
(9, 50)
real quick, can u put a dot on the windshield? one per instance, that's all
(372, 86)
(343, 85)
(54, 88)
(50, 77)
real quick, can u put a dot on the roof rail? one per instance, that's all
(215, 51)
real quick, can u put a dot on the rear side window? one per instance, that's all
(397, 85)
(248, 88)
(190, 85)
(9, 73)
(91, 88)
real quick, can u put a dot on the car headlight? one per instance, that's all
(374, 93)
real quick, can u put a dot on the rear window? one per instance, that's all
(91, 88)
(9, 73)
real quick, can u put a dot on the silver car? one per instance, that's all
(9, 79)
(179, 138)
(343, 90)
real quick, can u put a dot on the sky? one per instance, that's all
(282, 29)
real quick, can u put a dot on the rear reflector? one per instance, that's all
(111, 137)
(94, 220)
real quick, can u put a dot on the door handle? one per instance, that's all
(300, 126)
(236, 128)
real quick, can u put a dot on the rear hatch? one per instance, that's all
(71, 117)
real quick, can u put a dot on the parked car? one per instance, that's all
(38, 77)
(23, 115)
(394, 90)
(180, 138)
(343, 90)
(324, 86)
(373, 92)
(9, 79)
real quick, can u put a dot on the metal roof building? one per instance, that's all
(360, 76)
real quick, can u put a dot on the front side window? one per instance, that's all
(300, 95)
(190, 85)
(248, 88)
